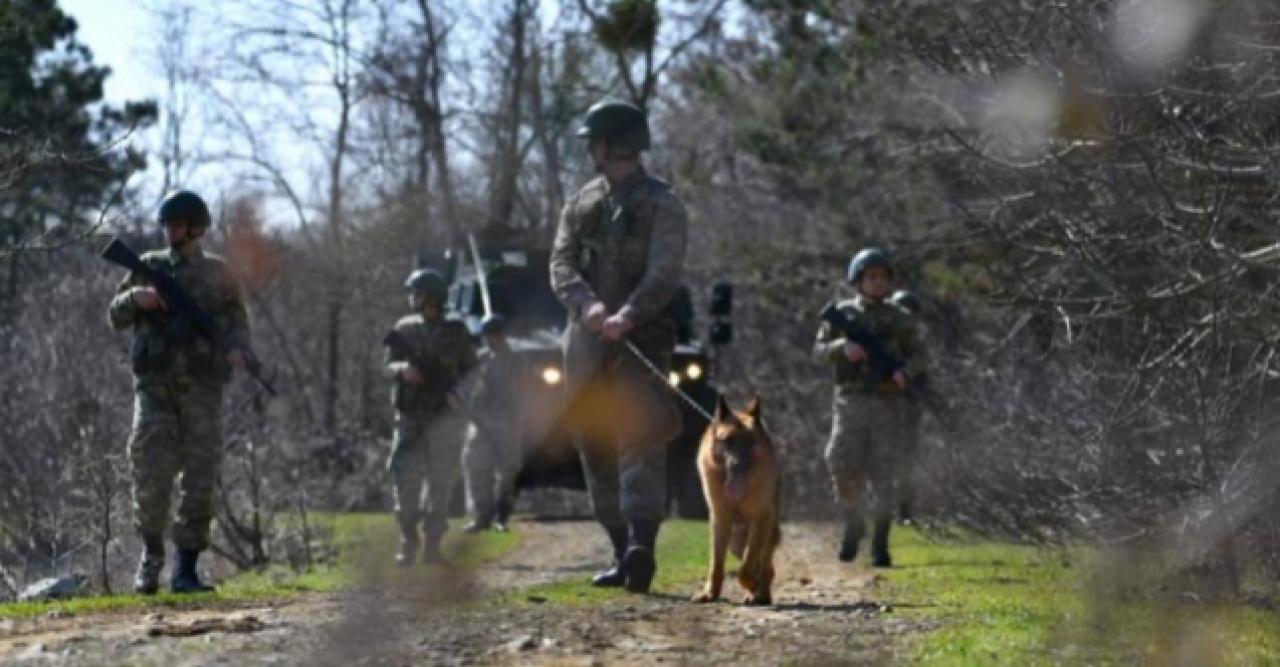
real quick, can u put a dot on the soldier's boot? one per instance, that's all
(433, 530)
(185, 578)
(880, 544)
(904, 514)
(483, 521)
(408, 542)
(614, 577)
(849, 540)
(147, 580)
(506, 505)
(639, 562)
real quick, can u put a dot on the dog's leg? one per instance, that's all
(720, 527)
(756, 573)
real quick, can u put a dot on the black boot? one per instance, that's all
(614, 576)
(185, 578)
(904, 514)
(639, 562)
(849, 540)
(482, 522)
(408, 542)
(503, 515)
(434, 526)
(880, 544)
(147, 581)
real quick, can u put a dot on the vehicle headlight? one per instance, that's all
(674, 379)
(551, 375)
(693, 372)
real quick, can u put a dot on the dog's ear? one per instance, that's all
(723, 413)
(753, 409)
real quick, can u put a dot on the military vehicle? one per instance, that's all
(512, 274)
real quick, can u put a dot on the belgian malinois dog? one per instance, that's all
(739, 469)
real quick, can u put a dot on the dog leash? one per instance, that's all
(653, 368)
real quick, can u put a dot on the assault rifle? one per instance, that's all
(182, 306)
(883, 363)
(436, 377)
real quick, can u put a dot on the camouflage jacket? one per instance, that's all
(895, 330)
(444, 344)
(623, 246)
(168, 348)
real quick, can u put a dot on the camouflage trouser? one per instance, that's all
(628, 419)
(866, 436)
(490, 466)
(177, 432)
(904, 482)
(424, 468)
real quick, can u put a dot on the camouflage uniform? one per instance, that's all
(178, 383)
(425, 447)
(494, 450)
(623, 246)
(869, 415)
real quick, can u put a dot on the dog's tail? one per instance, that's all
(738, 539)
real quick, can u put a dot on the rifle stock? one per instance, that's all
(883, 362)
(119, 253)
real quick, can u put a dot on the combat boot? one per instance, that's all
(431, 554)
(639, 563)
(147, 580)
(185, 578)
(904, 514)
(483, 521)
(849, 540)
(614, 576)
(880, 544)
(408, 543)
(503, 515)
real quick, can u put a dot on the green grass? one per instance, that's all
(1002, 604)
(361, 540)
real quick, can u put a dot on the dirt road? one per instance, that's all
(825, 613)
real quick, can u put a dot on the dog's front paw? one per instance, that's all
(757, 599)
(707, 595)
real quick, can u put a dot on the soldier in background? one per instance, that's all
(869, 413)
(427, 357)
(616, 262)
(179, 378)
(493, 455)
(904, 478)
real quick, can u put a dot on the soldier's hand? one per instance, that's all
(900, 379)
(147, 298)
(237, 359)
(854, 353)
(593, 316)
(411, 375)
(616, 327)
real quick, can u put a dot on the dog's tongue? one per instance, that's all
(735, 487)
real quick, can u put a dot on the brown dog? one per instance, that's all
(739, 469)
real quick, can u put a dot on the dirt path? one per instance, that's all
(825, 613)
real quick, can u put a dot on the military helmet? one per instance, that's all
(622, 125)
(493, 324)
(427, 283)
(906, 300)
(868, 258)
(184, 205)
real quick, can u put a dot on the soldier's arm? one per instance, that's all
(393, 362)
(567, 280)
(667, 244)
(828, 348)
(123, 312)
